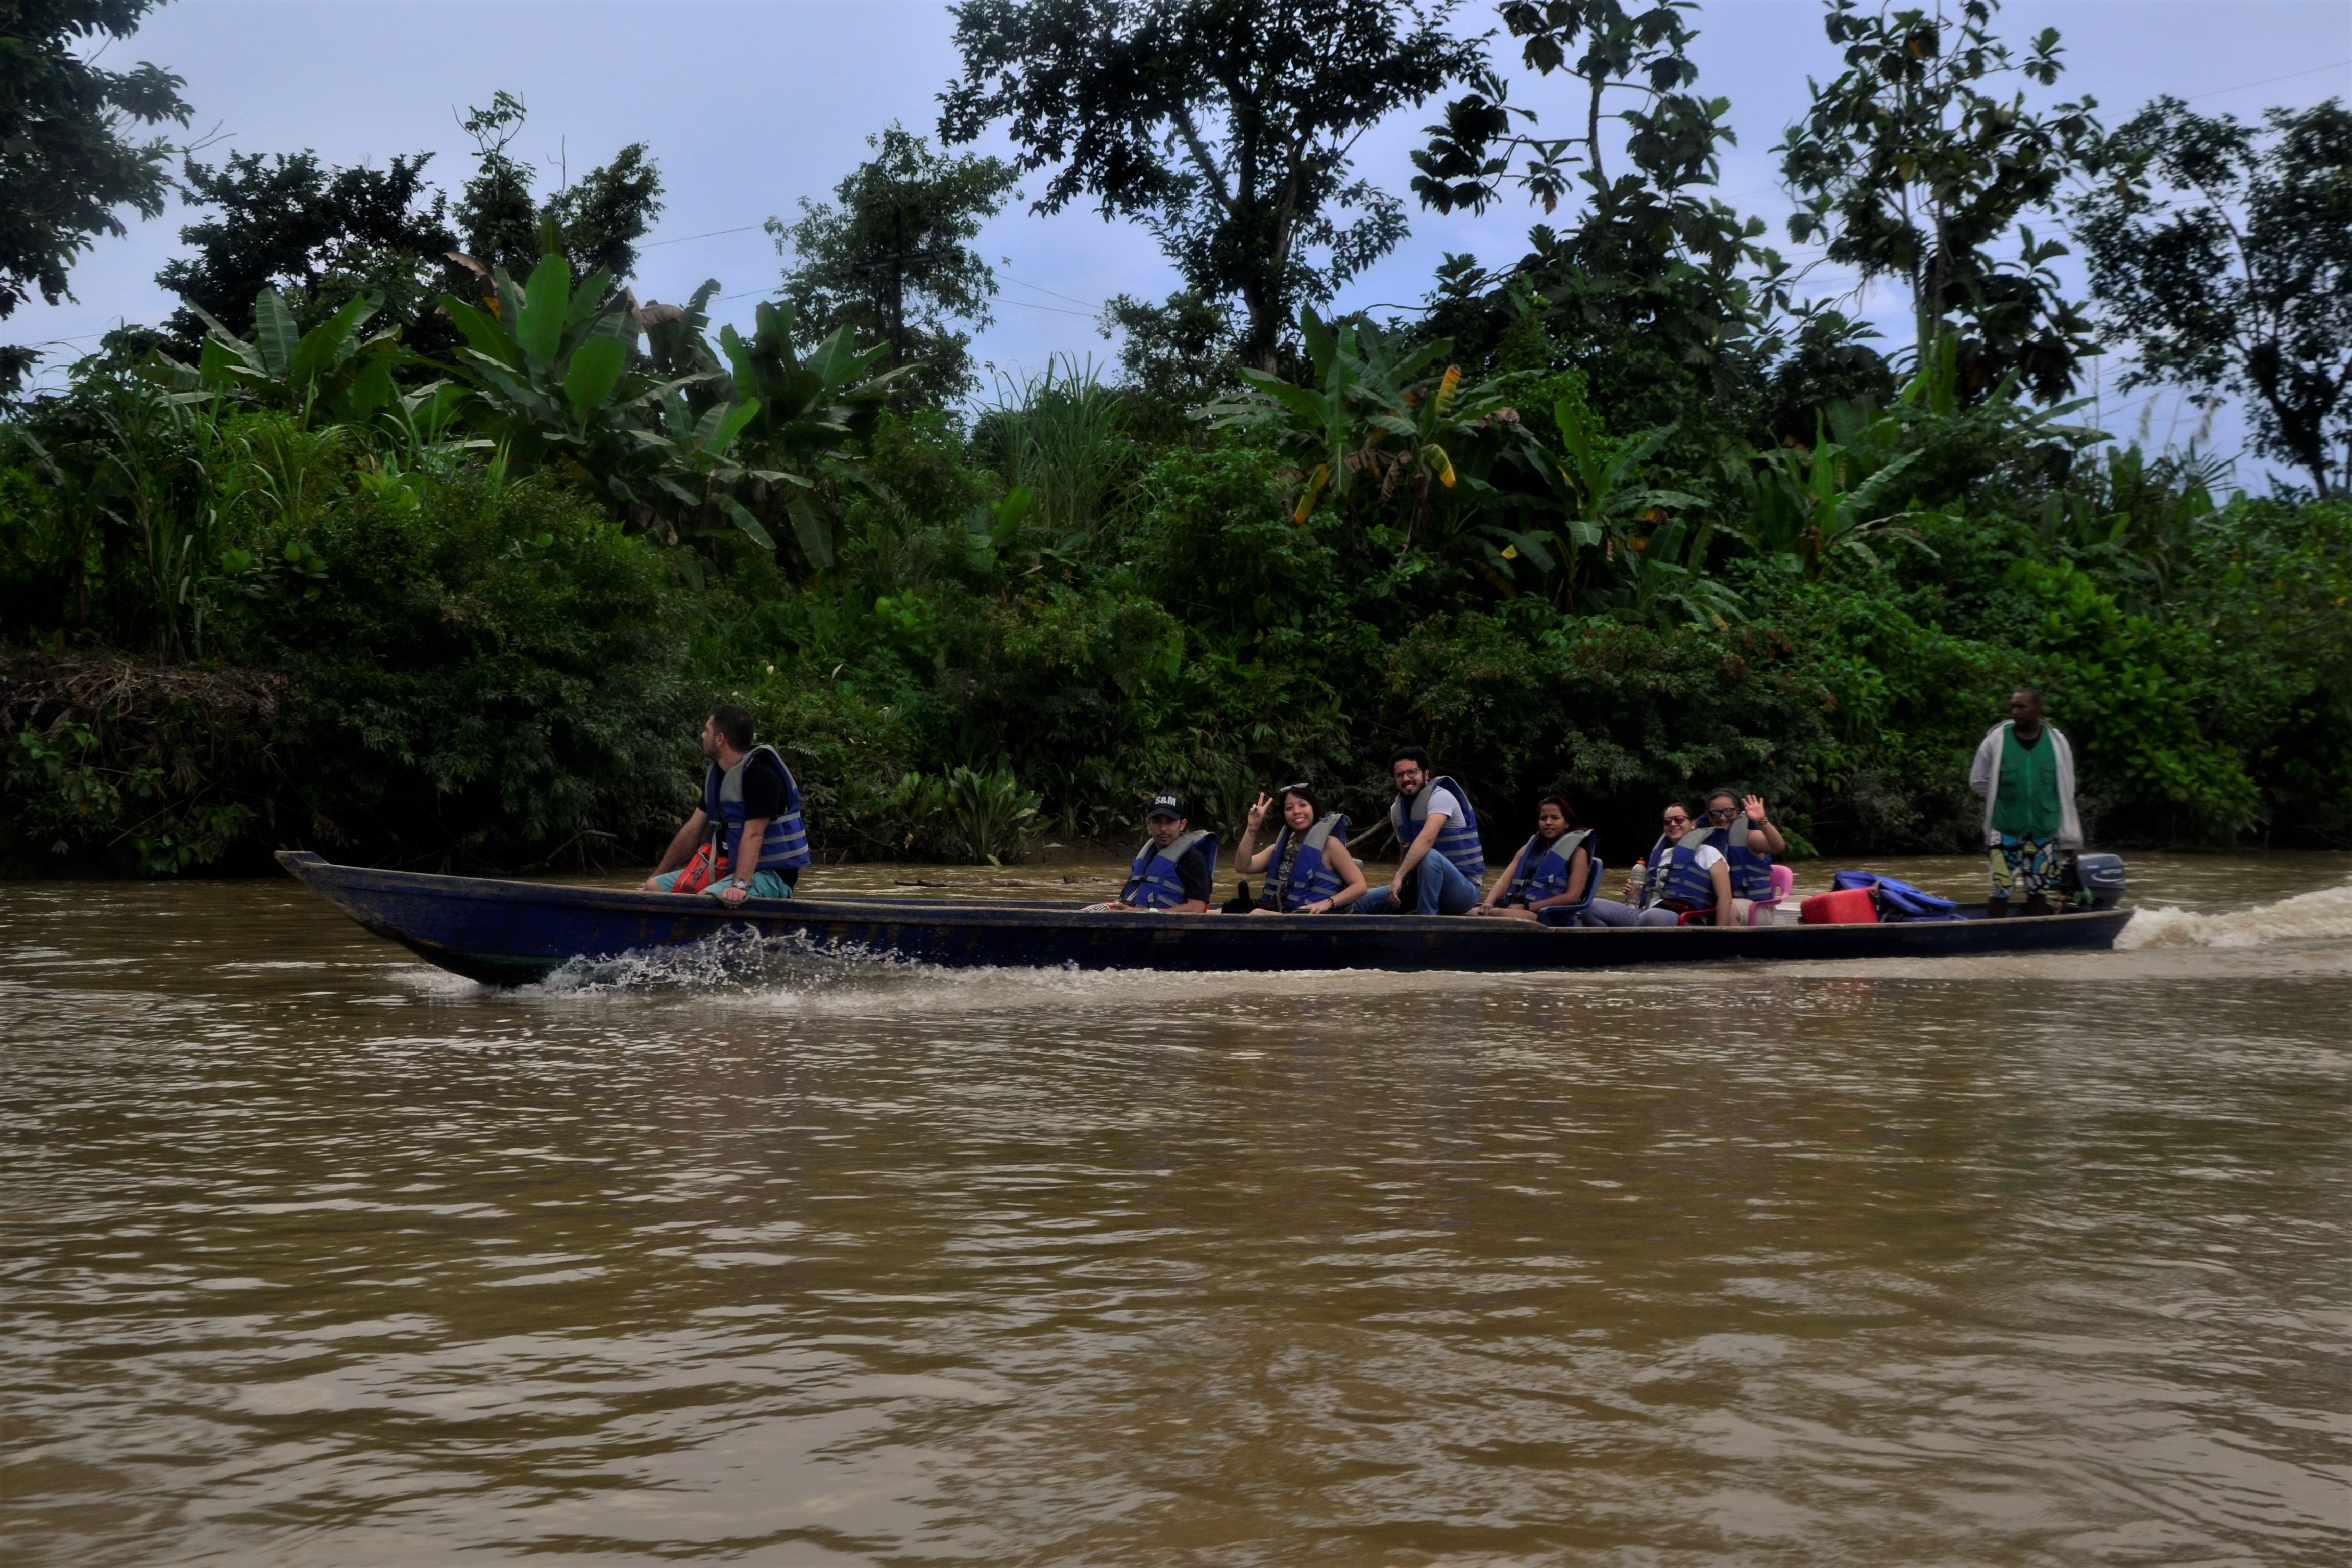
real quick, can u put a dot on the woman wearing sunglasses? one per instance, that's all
(1308, 868)
(1683, 872)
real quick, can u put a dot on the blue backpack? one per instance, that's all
(1897, 901)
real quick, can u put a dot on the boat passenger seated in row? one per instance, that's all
(1443, 862)
(747, 841)
(1748, 842)
(1683, 874)
(1308, 870)
(1550, 878)
(1176, 869)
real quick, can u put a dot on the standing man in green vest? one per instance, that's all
(2025, 773)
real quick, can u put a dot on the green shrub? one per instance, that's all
(493, 679)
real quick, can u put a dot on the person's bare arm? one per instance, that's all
(1720, 874)
(1579, 865)
(1766, 839)
(1246, 855)
(1432, 825)
(681, 847)
(1494, 899)
(1351, 876)
(745, 864)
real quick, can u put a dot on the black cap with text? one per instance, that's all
(1165, 805)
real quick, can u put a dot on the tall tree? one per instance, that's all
(291, 223)
(1649, 287)
(894, 260)
(1910, 167)
(1226, 126)
(1178, 353)
(2225, 256)
(67, 167)
(599, 217)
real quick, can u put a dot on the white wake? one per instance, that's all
(2320, 916)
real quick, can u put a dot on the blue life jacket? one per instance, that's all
(1898, 901)
(785, 842)
(1544, 868)
(1457, 840)
(1152, 881)
(1675, 874)
(1311, 877)
(1751, 870)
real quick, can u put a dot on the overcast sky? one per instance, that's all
(752, 105)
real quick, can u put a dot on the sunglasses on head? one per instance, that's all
(1302, 787)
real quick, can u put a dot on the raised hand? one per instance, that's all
(1754, 805)
(1257, 812)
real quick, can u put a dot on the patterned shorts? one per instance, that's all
(2023, 868)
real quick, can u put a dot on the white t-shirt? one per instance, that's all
(1441, 804)
(1706, 858)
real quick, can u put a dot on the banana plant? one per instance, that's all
(330, 370)
(551, 367)
(1368, 420)
(1592, 483)
(806, 411)
(1804, 505)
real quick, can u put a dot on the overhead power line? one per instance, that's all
(1073, 299)
(2290, 76)
(681, 240)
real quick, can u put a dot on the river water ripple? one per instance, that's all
(311, 1254)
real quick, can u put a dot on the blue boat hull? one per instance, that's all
(505, 933)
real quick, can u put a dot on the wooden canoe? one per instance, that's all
(510, 932)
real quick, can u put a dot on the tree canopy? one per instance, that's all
(2223, 253)
(1910, 167)
(66, 162)
(1226, 126)
(599, 217)
(894, 261)
(286, 222)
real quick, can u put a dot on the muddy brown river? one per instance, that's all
(310, 1254)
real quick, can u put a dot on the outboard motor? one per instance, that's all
(2095, 881)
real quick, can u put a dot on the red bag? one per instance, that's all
(1850, 907)
(696, 875)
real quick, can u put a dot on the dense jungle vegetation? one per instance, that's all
(418, 539)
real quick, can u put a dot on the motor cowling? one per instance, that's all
(2097, 880)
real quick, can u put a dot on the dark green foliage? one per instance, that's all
(321, 236)
(1624, 518)
(1911, 168)
(458, 671)
(1179, 353)
(596, 219)
(66, 164)
(1227, 128)
(894, 261)
(495, 682)
(1621, 717)
(107, 766)
(2224, 256)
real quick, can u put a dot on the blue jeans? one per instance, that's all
(1439, 888)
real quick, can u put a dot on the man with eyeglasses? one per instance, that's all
(1443, 861)
(1679, 877)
